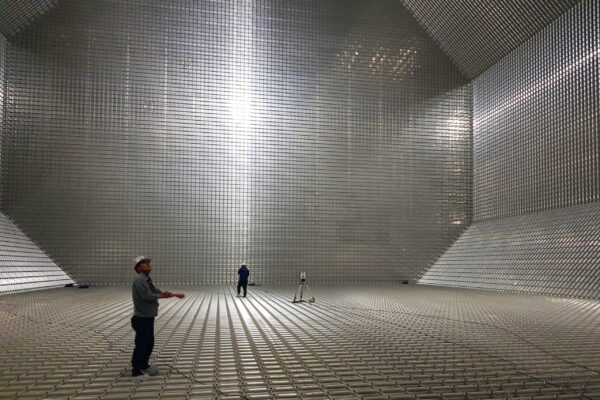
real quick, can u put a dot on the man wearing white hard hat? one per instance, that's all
(145, 308)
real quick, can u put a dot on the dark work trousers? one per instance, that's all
(144, 343)
(242, 284)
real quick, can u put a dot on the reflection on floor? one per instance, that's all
(359, 342)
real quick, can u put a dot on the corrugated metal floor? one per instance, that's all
(368, 342)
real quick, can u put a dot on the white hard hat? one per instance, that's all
(139, 259)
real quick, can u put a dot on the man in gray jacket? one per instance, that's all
(145, 304)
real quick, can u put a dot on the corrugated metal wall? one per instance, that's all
(537, 123)
(23, 266)
(332, 138)
(3, 47)
(536, 159)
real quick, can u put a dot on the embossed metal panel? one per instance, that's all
(16, 15)
(536, 122)
(355, 342)
(3, 46)
(477, 34)
(331, 137)
(554, 252)
(536, 168)
(23, 266)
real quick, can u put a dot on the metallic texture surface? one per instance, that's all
(553, 253)
(23, 266)
(332, 138)
(402, 342)
(3, 51)
(536, 168)
(536, 125)
(477, 34)
(16, 15)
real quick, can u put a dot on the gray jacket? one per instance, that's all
(145, 297)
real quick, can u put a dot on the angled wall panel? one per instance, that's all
(553, 252)
(23, 266)
(16, 15)
(477, 34)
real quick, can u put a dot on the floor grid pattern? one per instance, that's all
(354, 342)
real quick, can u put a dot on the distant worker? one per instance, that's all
(145, 307)
(244, 273)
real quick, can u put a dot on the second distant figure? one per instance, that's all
(244, 273)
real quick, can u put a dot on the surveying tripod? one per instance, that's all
(298, 297)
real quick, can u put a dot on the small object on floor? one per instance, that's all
(151, 370)
(139, 378)
(78, 285)
(298, 297)
(405, 282)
